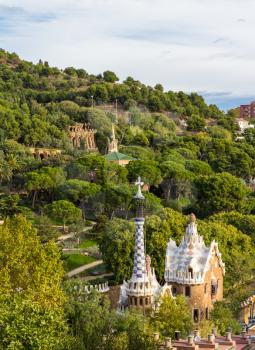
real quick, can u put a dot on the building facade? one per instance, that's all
(195, 271)
(247, 111)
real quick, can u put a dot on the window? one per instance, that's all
(141, 301)
(146, 301)
(191, 272)
(134, 285)
(135, 302)
(214, 288)
(187, 291)
(207, 313)
(174, 290)
(196, 315)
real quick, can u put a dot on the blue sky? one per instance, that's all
(205, 46)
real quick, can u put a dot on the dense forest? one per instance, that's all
(186, 152)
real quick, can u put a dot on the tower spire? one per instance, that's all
(113, 142)
(139, 269)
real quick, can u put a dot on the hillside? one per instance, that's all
(184, 150)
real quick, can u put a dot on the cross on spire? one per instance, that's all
(139, 184)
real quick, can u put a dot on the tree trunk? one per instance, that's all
(83, 209)
(34, 198)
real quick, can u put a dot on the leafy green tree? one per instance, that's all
(244, 223)
(64, 211)
(45, 179)
(95, 326)
(220, 192)
(176, 179)
(148, 170)
(223, 318)
(78, 190)
(9, 205)
(196, 123)
(110, 76)
(198, 167)
(89, 316)
(31, 301)
(173, 314)
(117, 198)
(116, 242)
(45, 230)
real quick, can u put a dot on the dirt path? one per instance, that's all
(83, 268)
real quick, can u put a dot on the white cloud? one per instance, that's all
(190, 45)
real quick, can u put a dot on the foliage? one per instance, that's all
(173, 314)
(64, 211)
(31, 297)
(220, 192)
(223, 318)
(116, 243)
(95, 326)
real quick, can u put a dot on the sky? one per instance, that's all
(206, 46)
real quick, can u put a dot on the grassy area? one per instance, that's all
(87, 244)
(72, 261)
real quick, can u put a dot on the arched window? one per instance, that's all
(141, 301)
(174, 290)
(214, 287)
(196, 315)
(146, 301)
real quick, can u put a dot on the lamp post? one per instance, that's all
(116, 111)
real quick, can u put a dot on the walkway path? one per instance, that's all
(83, 268)
(72, 234)
(91, 278)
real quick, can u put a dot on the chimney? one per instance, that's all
(211, 338)
(196, 333)
(177, 335)
(190, 340)
(228, 336)
(168, 343)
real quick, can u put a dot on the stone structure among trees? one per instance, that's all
(83, 137)
(44, 153)
(196, 271)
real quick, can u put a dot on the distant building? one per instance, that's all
(196, 271)
(44, 153)
(243, 125)
(113, 154)
(247, 111)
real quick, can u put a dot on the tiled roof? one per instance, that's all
(118, 156)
